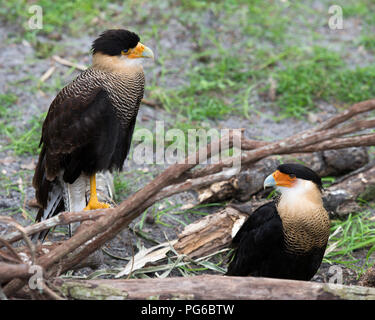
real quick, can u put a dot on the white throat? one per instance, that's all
(127, 62)
(303, 193)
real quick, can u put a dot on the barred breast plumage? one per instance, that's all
(125, 91)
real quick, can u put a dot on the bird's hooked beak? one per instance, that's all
(140, 51)
(269, 182)
(279, 179)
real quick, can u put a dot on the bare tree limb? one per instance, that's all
(62, 219)
(112, 221)
(10, 271)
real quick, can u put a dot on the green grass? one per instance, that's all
(7, 111)
(347, 237)
(304, 80)
(121, 185)
(320, 74)
(219, 70)
(25, 141)
(58, 16)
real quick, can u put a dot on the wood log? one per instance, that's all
(331, 134)
(209, 234)
(9, 271)
(341, 199)
(210, 287)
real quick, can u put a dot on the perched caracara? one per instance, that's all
(89, 125)
(285, 238)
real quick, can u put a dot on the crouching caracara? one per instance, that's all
(89, 125)
(285, 238)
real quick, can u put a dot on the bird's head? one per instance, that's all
(293, 177)
(119, 47)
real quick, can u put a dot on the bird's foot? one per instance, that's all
(94, 204)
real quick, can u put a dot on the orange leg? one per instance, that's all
(94, 204)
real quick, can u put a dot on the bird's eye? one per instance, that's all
(293, 176)
(125, 51)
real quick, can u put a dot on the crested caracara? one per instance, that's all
(285, 238)
(89, 125)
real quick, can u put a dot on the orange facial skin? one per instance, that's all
(140, 51)
(283, 179)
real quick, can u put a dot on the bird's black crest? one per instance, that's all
(301, 172)
(112, 42)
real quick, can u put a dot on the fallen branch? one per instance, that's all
(82, 244)
(113, 222)
(10, 271)
(62, 219)
(68, 63)
(341, 198)
(211, 287)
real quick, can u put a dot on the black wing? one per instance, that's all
(257, 241)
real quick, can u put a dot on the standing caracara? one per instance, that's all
(89, 125)
(285, 238)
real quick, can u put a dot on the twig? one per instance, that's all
(16, 258)
(24, 235)
(47, 74)
(2, 294)
(50, 293)
(153, 104)
(62, 219)
(68, 63)
(106, 227)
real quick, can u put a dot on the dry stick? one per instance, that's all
(132, 208)
(306, 139)
(21, 229)
(6, 257)
(153, 104)
(127, 207)
(338, 143)
(106, 227)
(50, 293)
(294, 143)
(68, 63)
(61, 219)
(364, 140)
(123, 221)
(16, 258)
(9, 271)
(355, 109)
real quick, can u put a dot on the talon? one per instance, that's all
(94, 204)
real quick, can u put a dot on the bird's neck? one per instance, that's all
(305, 221)
(304, 195)
(117, 65)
